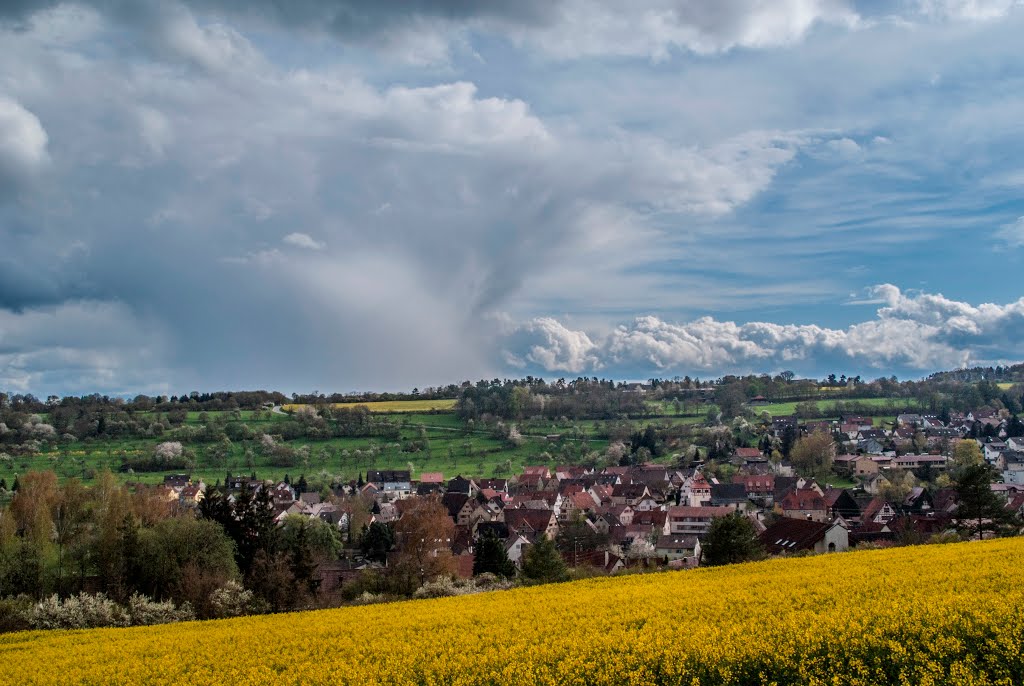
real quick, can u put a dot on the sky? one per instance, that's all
(345, 195)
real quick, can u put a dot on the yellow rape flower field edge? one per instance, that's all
(928, 615)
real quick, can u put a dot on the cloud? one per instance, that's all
(922, 332)
(111, 348)
(420, 31)
(303, 240)
(23, 153)
(971, 10)
(1012, 233)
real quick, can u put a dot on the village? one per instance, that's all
(655, 515)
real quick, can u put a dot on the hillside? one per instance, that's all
(923, 615)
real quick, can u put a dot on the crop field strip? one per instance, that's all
(927, 615)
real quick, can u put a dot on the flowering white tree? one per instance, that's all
(168, 450)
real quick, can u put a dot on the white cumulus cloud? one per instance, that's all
(920, 332)
(22, 146)
(303, 240)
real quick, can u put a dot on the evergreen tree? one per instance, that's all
(3, 484)
(730, 539)
(301, 562)
(302, 486)
(376, 541)
(492, 558)
(16, 485)
(543, 563)
(978, 509)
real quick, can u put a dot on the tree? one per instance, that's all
(966, 454)
(321, 538)
(492, 558)
(978, 509)
(185, 560)
(423, 536)
(376, 541)
(813, 455)
(731, 539)
(730, 399)
(542, 562)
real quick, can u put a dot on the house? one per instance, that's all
(878, 511)
(840, 503)
(918, 501)
(749, 454)
(462, 485)
(629, 494)
(697, 491)
(515, 546)
(874, 483)
(679, 547)
(191, 495)
(866, 465)
(872, 446)
(760, 488)
(796, 535)
(936, 462)
(460, 507)
(533, 473)
(531, 524)
(729, 495)
(499, 485)
(758, 401)
(845, 464)
(392, 484)
(431, 478)
(177, 481)
(685, 519)
(804, 503)
(781, 424)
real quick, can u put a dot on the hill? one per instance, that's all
(923, 615)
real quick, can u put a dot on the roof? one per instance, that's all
(387, 475)
(873, 508)
(676, 542)
(790, 535)
(730, 492)
(803, 499)
(748, 452)
(698, 512)
(454, 502)
(431, 478)
(524, 519)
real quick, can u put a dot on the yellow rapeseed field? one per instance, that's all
(929, 616)
(441, 404)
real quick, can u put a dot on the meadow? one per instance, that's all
(447, 444)
(926, 615)
(391, 406)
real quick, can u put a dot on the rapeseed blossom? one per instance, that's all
(929, 616)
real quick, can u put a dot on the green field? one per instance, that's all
(448, 445)
(827, 407)
(389, 406)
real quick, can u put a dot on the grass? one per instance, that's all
(389, 406)
(827, 407)
(453, 447)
